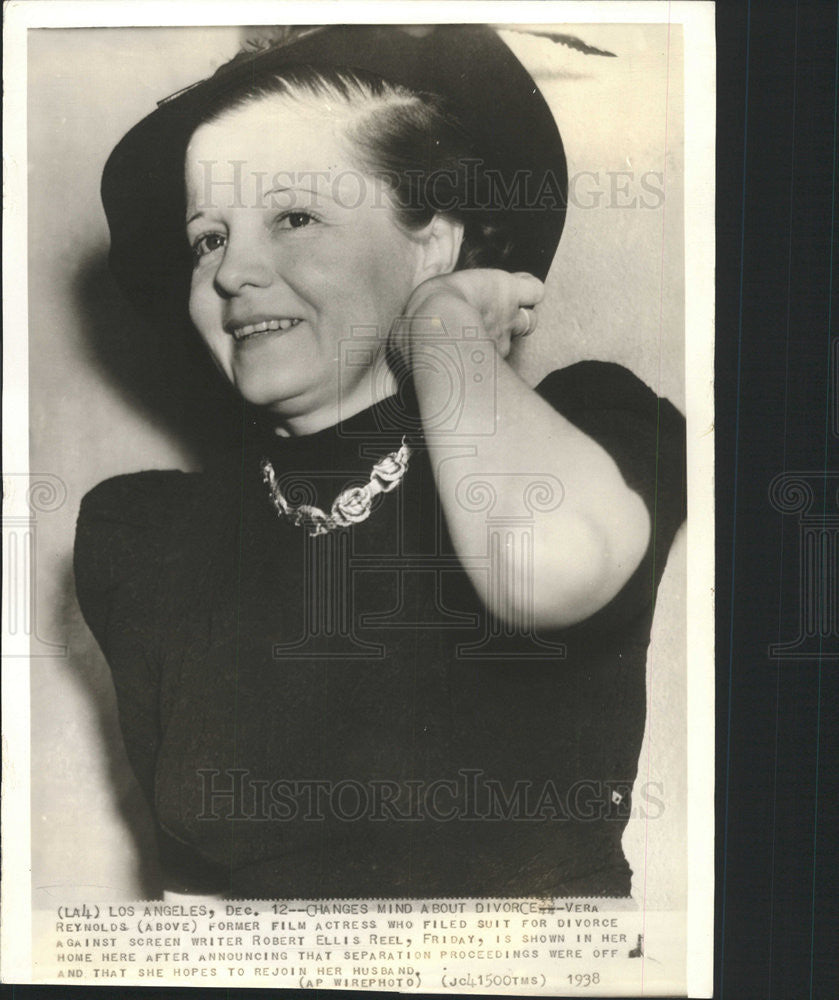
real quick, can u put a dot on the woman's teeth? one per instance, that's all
(241, 332)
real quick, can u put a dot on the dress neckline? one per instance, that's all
(374, 431)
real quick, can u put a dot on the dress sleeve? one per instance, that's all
(645, 435)
(120, 547)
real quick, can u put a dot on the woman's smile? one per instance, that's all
(254, 328)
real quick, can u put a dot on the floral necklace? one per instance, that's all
(348, 508)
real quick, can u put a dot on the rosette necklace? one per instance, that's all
(351, 506)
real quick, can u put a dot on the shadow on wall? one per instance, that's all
(164, 375)
(158, 364)
(88, 669)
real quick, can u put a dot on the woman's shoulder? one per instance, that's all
(599, 385)
(644, 433)
(617, 408)
(143, 499)
(645, 436)
(135, 515)
(124, 520)
(125, 534)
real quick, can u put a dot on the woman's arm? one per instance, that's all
(586, 546)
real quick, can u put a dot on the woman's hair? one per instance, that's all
(407, 139)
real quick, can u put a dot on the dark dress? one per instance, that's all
(337, 716)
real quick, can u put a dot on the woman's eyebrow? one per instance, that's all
(282, 189)
(277, 189)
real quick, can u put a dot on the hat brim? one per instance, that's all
(469, 66)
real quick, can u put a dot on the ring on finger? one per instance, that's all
(525, 322)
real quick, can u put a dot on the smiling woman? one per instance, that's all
(417, 573)
(280, 277)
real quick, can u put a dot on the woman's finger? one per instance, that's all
(531, 290)
(524, 323)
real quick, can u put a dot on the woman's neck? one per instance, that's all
(378, 384)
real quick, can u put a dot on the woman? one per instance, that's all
(394, 645)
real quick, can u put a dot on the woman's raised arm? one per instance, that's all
(590, 540)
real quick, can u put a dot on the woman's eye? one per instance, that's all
(295, 220)
(207, 244)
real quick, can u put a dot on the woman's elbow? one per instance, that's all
(573, 570)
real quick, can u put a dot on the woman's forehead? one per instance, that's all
(274, 125)
(276, 154)
(267, 146)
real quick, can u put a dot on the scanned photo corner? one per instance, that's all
(358, 498)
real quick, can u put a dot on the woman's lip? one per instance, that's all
(261, 327)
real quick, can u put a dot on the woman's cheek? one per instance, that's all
(202, 308)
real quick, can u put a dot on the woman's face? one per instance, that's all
(299, 265)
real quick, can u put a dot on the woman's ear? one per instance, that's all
(440, 244)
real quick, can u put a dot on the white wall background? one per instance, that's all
(615, 293)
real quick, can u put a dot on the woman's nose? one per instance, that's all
(245, 263)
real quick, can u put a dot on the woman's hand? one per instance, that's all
(501, 306)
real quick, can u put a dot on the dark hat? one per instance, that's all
(512, 129)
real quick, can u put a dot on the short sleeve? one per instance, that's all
(645, 435)
(121, 540)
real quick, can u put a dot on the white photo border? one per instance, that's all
(697, 20)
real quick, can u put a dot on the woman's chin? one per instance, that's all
(272, 383)
(278, 396)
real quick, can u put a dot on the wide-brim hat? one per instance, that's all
(481, 81)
